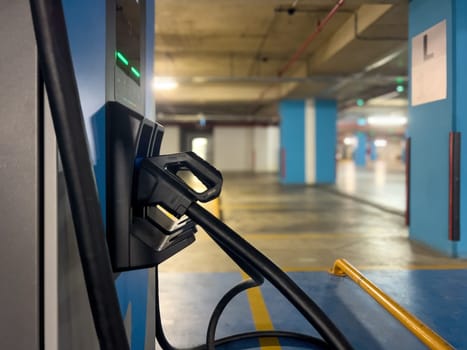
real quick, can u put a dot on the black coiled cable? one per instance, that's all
(224, 236)
(211, 342)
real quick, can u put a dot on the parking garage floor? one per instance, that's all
(380, 183)
(304, 229)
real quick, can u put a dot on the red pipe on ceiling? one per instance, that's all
(310, 38)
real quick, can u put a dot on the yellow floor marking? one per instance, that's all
(259, 311)
(306, 269)
(258, 206)
(315, 235)
(462, 266)
(213, 207)
(261, 318)
(258, 308)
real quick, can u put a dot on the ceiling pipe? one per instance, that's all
(255, 79)
(304, 46)
(213, 117)
(217, 120)
(277, 80)
(310, 38)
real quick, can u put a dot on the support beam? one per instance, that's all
(367, 15)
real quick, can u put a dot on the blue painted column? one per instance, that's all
(431, 121)
(308, 141)
(373, 152)
(360, 151)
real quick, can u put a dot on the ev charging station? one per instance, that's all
(86, 197)
(46, 303)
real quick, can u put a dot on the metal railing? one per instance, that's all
(430, 338)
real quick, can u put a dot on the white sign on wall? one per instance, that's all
(429, 65)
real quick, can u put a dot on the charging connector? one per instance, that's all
(159, 185)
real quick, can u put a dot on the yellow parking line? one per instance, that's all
(259, 310)
(381, 267)
(313, 235)
(213, 207)
(261, 317)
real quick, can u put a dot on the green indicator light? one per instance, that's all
(400, 88)
(400, 80)
(360, 102)
(135, 72)
(121, 58)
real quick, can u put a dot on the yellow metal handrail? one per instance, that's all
(430, 338)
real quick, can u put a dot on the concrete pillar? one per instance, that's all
(308, 141)
(437, 38)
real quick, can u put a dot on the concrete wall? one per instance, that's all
(233, 148)
(266, 149)
(20, 195)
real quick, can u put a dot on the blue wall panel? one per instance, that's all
(429, 176)
(132, 290)
(429, 127)
(86, 31)
(460, 107)
(86, 27)
(374, 152)
(292, 138)
(326, 115)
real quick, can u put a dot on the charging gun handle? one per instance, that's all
(226, 238)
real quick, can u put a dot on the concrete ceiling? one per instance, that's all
(229, 56)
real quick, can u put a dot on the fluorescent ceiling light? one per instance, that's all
(380, 143)
(387, 121)
(164, 83)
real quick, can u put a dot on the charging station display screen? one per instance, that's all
(128, 38)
